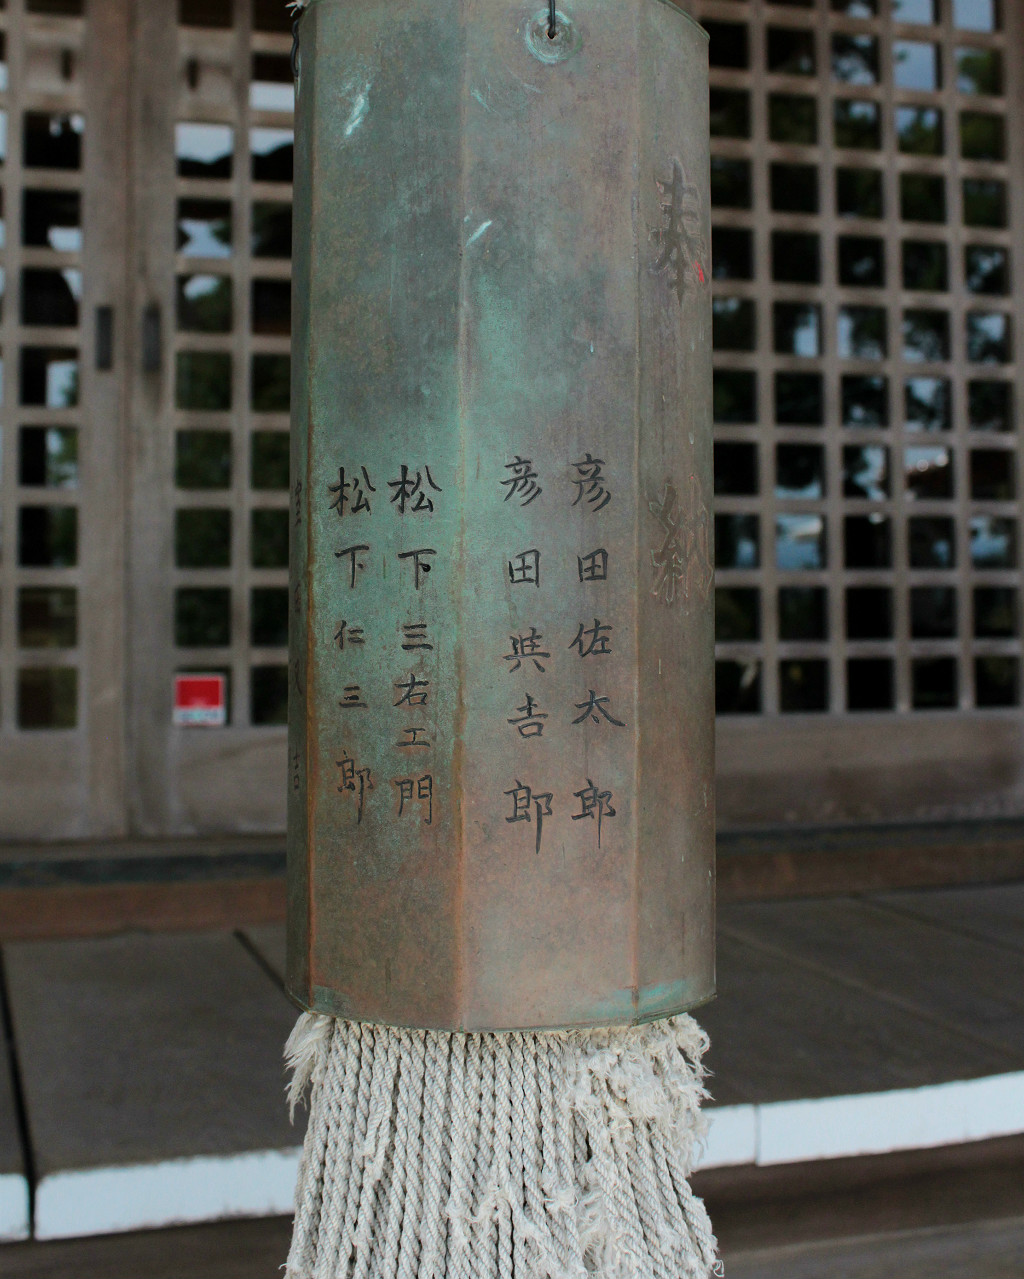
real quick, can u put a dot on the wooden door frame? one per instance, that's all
(70, 783)
(183, 781)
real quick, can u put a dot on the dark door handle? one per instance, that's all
(104, 338)
(151, 339)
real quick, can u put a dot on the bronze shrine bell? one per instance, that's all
(501, 725)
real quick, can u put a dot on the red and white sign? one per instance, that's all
(200, 701)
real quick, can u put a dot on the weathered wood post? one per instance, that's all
(501, 727)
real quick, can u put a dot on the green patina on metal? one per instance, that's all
(501, 736)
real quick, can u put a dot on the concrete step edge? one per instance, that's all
(97, 1201)
(946, 1114)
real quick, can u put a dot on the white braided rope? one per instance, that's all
(499, 1156)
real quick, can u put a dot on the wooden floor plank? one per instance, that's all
(14, 1202)
(269, 941)
(973, 987)
(73, 910)
(985, 1250)
(148, 1048)
(756, 1208)
(11, 1161)
(994, 911)
(761, 865)
(780, 1032)
(221, 1250)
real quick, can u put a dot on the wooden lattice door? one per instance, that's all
(63, 185)
(146, 186)
(212, 165)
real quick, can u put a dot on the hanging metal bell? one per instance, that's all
(501, 726)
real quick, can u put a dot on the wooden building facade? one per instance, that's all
(868, 218)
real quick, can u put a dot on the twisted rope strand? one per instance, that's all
(485, 1234)
(437, 1155)
(378, 1145)
(499, 1156)
(415, 1160)
(342, 1103)
(464, 1119)
(306, 1054)
(561, 1189)
(501, 1048)
(357, 1180)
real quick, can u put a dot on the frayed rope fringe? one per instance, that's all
(560, 1155)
